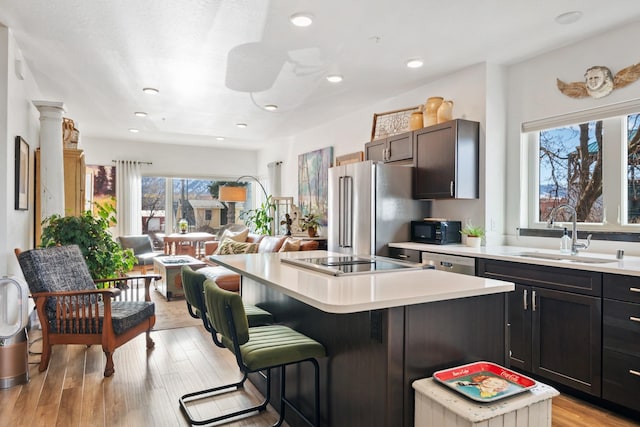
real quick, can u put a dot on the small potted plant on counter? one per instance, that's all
(310, 223)
(473, 234)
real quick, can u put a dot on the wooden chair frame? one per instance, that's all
(78, 319)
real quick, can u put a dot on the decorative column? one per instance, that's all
(51, 158)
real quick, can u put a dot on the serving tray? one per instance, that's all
(484, 381)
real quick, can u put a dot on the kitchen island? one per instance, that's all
(382, 331)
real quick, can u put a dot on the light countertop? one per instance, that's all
(628, 265)
(355, 293)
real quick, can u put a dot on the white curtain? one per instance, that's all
(129, 197)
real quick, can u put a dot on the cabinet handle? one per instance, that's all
(387, 154)
(451, 188)
(524, 300)
(403, 256)
(634, 289)
(636, 373)
(634, 319)
(533, 300)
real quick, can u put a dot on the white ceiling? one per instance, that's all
(218, 62)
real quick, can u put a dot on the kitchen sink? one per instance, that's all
(572, 258)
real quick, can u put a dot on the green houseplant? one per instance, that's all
(260, 219)
(310, 223)
(105, 257)
(474, 234)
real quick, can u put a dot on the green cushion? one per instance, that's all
(192, 284)
(260, 346)
(216, 300)
(257, 316)
(277, 345)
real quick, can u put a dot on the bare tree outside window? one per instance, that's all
(633, 169)
(153, 201)
(570, 162)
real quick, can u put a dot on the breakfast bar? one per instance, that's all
(382, 331)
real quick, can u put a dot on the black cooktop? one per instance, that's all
(352, 264)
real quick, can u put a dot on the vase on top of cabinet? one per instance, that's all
(445, 111)
(431, 110)
(416, 120)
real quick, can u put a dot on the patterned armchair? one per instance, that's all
(72, 310)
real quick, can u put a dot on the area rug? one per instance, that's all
(171, 314)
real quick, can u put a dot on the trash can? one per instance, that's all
(14, 352)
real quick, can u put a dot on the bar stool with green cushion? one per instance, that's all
(192, 284)
(259, 348)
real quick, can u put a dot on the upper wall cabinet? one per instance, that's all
(446, 157)
(393, 149)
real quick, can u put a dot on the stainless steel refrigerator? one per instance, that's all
(370, 205)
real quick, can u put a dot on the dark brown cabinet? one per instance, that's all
(554, 318)
(621, 340)
(393, 149)
(446, 157)
(411, 255)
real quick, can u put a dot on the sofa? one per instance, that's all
(245, 242)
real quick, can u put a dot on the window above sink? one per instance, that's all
(567, 165)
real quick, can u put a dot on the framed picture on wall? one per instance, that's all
(313, 182)
(22, 174)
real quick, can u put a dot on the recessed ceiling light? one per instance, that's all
(334, 78)
(140, 114)
(569, 17)
(150, 90)
(220, 138)
(301, 19)
(415, 63)
(271, 107)
(241, 125)
(134, 130)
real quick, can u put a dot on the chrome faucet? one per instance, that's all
(575, 245)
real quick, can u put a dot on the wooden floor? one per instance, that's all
(145, 388)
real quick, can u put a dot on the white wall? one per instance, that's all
(17, 117)
(533, 94)
(172, 160)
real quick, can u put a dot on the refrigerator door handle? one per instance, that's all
(347, 213)
(345, 217)
(341, 211)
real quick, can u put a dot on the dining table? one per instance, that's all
(173, 242)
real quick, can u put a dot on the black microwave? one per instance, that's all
(438, 232)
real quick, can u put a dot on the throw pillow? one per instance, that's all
(238, 236)
(290, 245)
(309, 245)
(230, 247)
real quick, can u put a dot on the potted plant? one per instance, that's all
(260, 219)
(105, 257)
(474, 235)
(310, 223)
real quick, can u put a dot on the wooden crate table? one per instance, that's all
(437, 406)
(169, 268)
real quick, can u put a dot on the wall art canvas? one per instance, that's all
(313, 182)
(103, 185)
